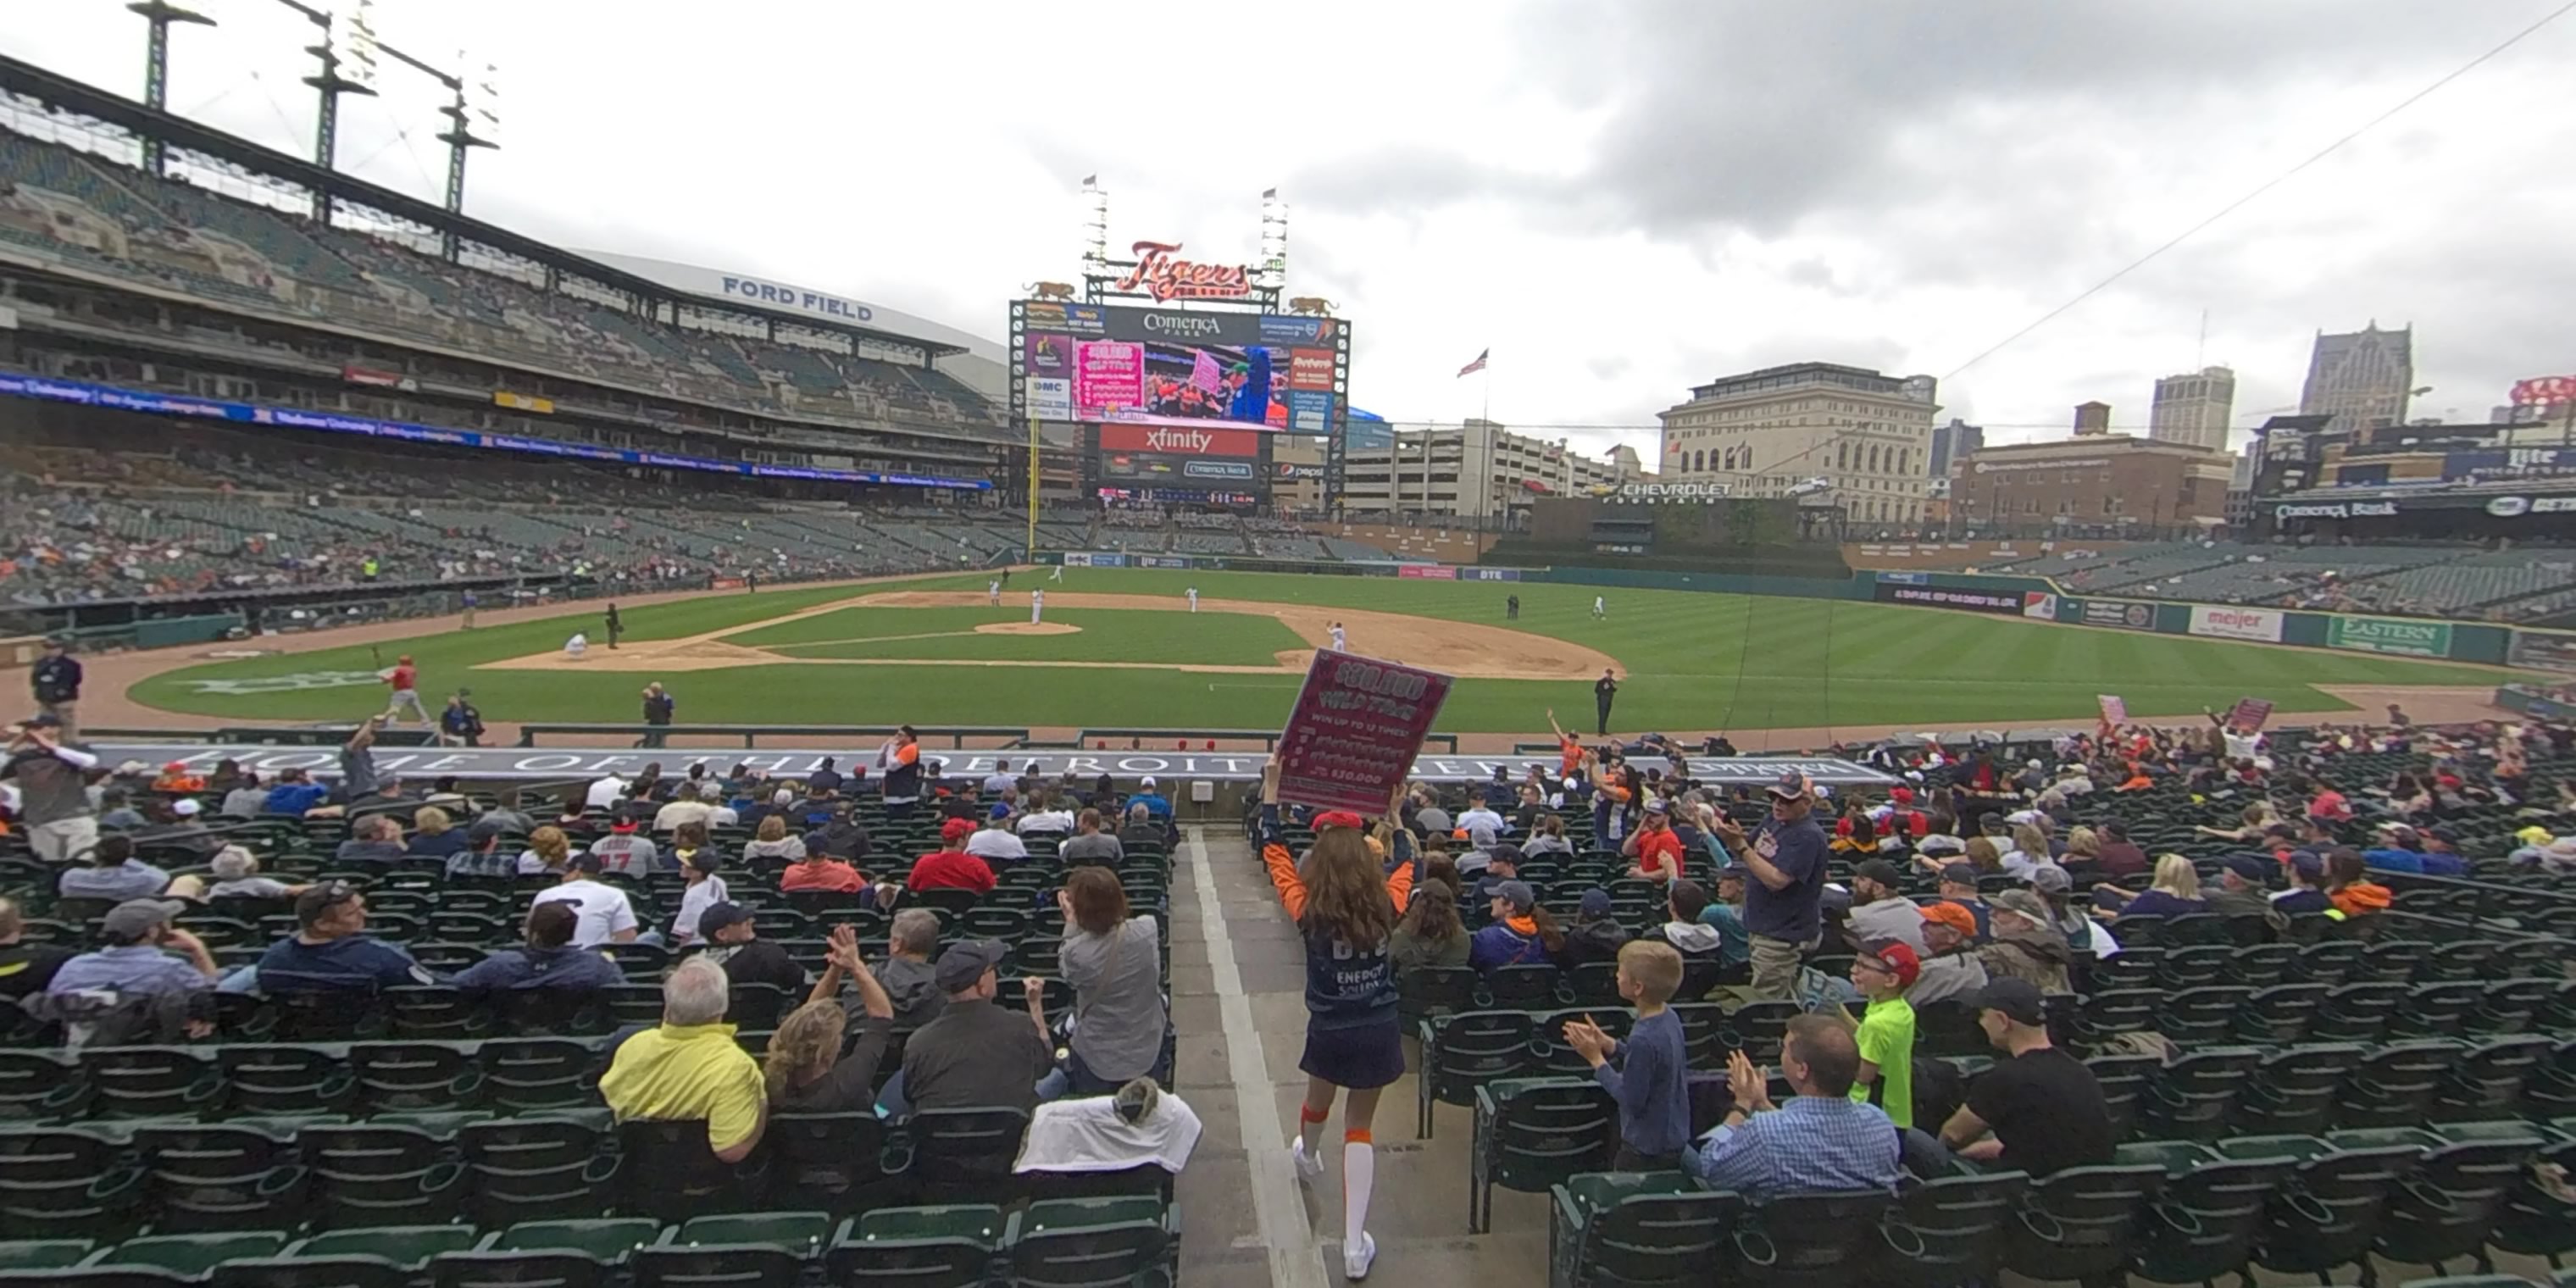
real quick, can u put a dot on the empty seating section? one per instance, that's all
(2426, 581)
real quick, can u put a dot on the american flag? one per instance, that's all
(1476, 366)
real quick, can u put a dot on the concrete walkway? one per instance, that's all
(1238, 981)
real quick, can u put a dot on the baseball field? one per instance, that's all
(1120, 647)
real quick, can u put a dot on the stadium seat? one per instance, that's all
(1463, 1051)
(2325, 1213)
(539, 1073)
(766, 1248)
(2292, 1091)
(2082, 1224)
(1531, 1131)
(380, 1174)
(537, 1168)
(285, 1079)
(918, 1247)
(1612, 1229)
(1818, 1240)
(2209, 1214)
(2489, 1079)
(826, 1162)
(66, 1183)
(415, 1077)
(152, 1082)
(1958, 1225)
(230, 1177)
(1427, 992)
(1076, 1243)
(2394, 1085)
(2191, 1097)
(2455, 1194)
(960, 1153)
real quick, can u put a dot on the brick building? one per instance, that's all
(2100, 485)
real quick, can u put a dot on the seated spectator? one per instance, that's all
(117, 810)
(2306, 870)
(2037, 1110)
(1821, 1139)
(733, 942)
(1547, 836)
(434, 834)
(1140, 828)
(1045, 818)
(1147, 795)
(2244, 886)
(115, 874)
(1430, 933)
(951, 868)
(1596, 935)
(907, 973)
(2024, 944)
(2349, 888)
(1089, 844)
(295, 793)
(719, 814)
(2395, 847)
(689, 806)
(137, 958)
(808, 1072)
(246, 798)
(236, 876)
(331, 951)
(547, 853)
(623, 850)
(689, 840)
(1884, 970)
(1726, 914)
(840, 836)
(228, 774)
(704, 890)
(1959, 886)
(1951, 968)
(482, 855)
(548, 959)
(975, 1055)
(25, 968)
(690, 1069)
(1647, 1075)
(821, 872)
(2441, 856)
(2118, 859)
(185, 831)
(602, 912)
(1111, 957)
(1684, 906)
(373, 838)
(1655, 851)
(1491, 872)
(771, 841)
(1521, 933)
(996, 843)
(1141, 1126)
(2175, 893)
(1878, 910)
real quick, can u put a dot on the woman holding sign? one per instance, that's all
(1345, 906)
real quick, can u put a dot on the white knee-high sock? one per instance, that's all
(1359, 1176)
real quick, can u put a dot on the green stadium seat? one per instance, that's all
(239, 1175)
(1463, 1051)
(381, 1174)
(68, 1182)
(1609, 1229)
(920, 1247)
(2356, 1012)
(152, 1082)
(2191, 1097)
(2537, 1220)
(1957, 1223)
(670, 1174)
(961, 1153)
(2208, 1216)
(2490, 1078)
(2455, 1194)
(2395, 1085)
(416, 1077)
(827, 1162)
(191, 1255)
(2082, 1223)
(281, 1078)
(2293, 1089)
(1530, 1132)
(1428, 992)
(528, 1074)
(1818, 1240)
(1078, 1243)
(43, 1254)
(537, 1168)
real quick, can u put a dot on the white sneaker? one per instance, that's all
(1310, 1169)
(1357, 1254)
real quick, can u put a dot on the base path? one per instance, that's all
(1468, 650)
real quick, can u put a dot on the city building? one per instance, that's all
(2193, 409)
(1952, 441)
(1479, 471)
(2096, 485)
(1859, 439)
(2092, 418)
(2362, 378)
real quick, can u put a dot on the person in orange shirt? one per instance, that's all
(1569, 751)
(2349, 888)
(176, 778)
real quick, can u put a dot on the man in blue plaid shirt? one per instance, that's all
(483, 855)
(1820, 1140)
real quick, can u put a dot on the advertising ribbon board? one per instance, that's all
(2249, 714)
(2125, 614)
(2114, 710)
(2381, 635)
(2262, 624)
(1354, 733)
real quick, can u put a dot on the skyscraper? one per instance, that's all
(2192, 409)
(1952, 441)
(2361, 378)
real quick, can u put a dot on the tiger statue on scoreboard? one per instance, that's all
(1313, 304)
(1051, 291)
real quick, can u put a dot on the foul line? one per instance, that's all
(1278, 1213)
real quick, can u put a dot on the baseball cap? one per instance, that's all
(1657, 806)
(1596, 903)
(2444, 833)
(720, 915)
(231, 863)
(485, 830)
(956, 829)
(965, 962)
(1147, 783)
(1959, 873)
(998, 812)
(1792, 785)
(319, 899)
(622, 823)
(2018, 1000)
(705, 859)
(1880, 871)
(187, 809)
(2308, 862)
(175, 767)
(1734, 872)
(1481, 835)
(1518, 894)
(135, 918)
(1901, 795)
(1941, 843)
(585, 861)
(2049, 878)
(2395, 829)
(1896, 958)
(1955, 916)
(2022, 902)
(2252, 867)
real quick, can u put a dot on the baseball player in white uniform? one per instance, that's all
(1599, 610)
(1341, 643)
(1058, 574)
(576, 647)
(1194, 599)
(1037, 606)
(993, 589)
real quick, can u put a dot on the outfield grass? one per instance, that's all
(1696, 661)
(1107, 635)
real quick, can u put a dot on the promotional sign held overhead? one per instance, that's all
(1352, 737)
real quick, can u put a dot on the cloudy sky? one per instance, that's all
(1620, 198)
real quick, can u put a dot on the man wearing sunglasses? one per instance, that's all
(331, 950)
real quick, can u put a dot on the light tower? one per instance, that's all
(473, 121)
(156, 65)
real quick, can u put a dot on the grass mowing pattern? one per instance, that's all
(1803, 662)
(1108, 635)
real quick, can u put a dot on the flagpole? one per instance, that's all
(1485, 503)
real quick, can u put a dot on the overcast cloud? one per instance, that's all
(1619, 199)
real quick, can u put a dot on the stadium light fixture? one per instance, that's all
(158, 15)
(352, 44)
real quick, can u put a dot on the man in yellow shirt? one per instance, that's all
(690, 1068)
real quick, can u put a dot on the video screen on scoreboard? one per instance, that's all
(1166, 367)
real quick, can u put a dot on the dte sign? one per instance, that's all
(830, 306)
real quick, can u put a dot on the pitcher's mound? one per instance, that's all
(1026, 628)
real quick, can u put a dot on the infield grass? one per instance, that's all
(1696, 661)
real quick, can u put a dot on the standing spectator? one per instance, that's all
(460, 725)
(1647, 1075)
(733, 942)
(1783, 909)
(56, 679)
(690, 1069)
(2043, 1108)
(975, 1055)
(602, 913)
(658, 706)
(25, 968)
(623, 850)
(1821, 1140)
(548, 958)
(899, 761)
(331, 951)
(1089, 844)
(951, 868)
(1883, 970)
(136, 957)
(404, 680)
(1950, 968)
(1112, 959)
(53, 790)
(1656, 850)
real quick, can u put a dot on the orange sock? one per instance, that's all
(1356, 1136)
